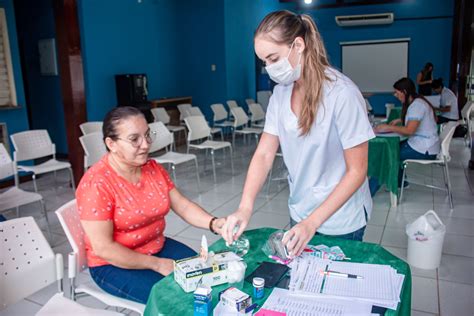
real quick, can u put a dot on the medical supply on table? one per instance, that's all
(258, 287)
(235, 298)
(341, 274)
(204, 253)
(325, 252)
(202, 301)
(275, 249)
(241, 245)
(270, 271)
(193, 271)
(225, 310)
(236, 273)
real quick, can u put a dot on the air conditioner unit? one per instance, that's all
(364, 19)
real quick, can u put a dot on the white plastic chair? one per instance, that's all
(442, 160)
(161, 115)
(71, 224)
(183, 110)
(195, 111)
(221, 116)
(257, 115)
(199, 130)
(35, 144)
(241, 121)
(367, 105)
(94, 148)
(164, 139)
(91, 127)
(467, 114)
(15, 197)
(28, 265)
(263, 97)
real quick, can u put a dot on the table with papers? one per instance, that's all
(168, 298)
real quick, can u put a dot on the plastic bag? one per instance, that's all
(425, 227)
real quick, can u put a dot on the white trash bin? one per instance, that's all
(425, 241)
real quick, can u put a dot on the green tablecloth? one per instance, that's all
(167, 297)
(395, 113)
(384, 161)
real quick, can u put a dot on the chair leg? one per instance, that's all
(450, 195)
(213, 166)
(34, 182)
(73, 184)
(173, 168)
(43, 208)
(231, 160)
(403, 181)
(233, 138)
(197, 174)
(17, 212)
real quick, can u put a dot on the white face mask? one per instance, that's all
(282, 72)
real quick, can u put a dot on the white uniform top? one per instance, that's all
(448, 98)
(316, 162)
(425, 140)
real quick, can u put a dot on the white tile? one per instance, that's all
(21, 308)
(378, 217)
(174, 224)
(456, 269)
(459, 245)
(192, 243)
(373, 234)
(277, 206)
(264, 219)
(232, 205)
(456, 299)
(196, 233)
(424, 295)
(394, 237)
(418, 313)
(43, 296)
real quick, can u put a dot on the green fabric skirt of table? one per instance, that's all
(384, 161)
(167, 297)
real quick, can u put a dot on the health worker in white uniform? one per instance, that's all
(318, 117)
(448, 102)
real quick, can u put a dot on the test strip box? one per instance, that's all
(235, 298)
(190, 272)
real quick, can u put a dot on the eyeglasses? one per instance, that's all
(137, 140)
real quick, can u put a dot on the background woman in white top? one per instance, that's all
(318, 117)
(420, 125)
(448, 102)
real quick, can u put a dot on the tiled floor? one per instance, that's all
(446, 291)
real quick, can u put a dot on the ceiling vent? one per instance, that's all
(364, 19)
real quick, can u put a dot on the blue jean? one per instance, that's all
(355, 235)
(406, 152)
(136, 285)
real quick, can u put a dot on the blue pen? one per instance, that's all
(251, 308)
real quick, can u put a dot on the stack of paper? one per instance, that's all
(379, 285)
(295, 305)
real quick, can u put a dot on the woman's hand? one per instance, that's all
(240, 219)
(298, 237)
(163, 266)
(395, 122)
(218, 224)
(382, 128)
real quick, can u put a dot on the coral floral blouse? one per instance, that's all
(137, 209)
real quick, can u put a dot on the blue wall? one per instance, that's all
(45, 99)
(17, 119)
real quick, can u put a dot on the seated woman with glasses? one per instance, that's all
(122, 201)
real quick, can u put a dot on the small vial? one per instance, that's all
(258, 287)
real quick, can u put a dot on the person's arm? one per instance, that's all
(100, 234)
(406, 130)
(192, 213)
(259, 168)
(356, 172)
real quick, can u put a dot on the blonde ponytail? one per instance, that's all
(283, 27)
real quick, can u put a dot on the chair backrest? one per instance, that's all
(257, 112)
(195, 111)
(232, 104)
(160, 115)
(27, 262)
(445, 137)
(183, 110)
(32, 144)
(7, 167)
(94, 148)
(367, 105)
(71, 224)
(198, 128)
(388, 109)
(164, 137)
(263, 97)
(91, 127)
(466, 108)
(220, 112)
(250, 101)
(240, 117)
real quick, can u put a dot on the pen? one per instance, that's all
(340, 274)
